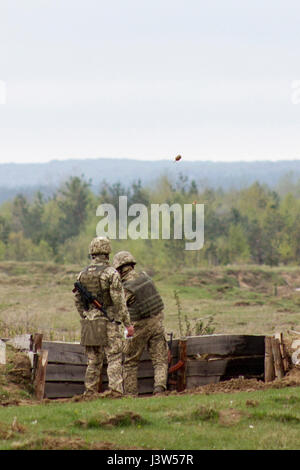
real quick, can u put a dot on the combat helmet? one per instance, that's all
(100, 246)
(122, 258)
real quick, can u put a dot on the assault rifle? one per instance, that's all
(88, 298)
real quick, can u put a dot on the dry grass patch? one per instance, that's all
(201, 413)
(127, 418)
(230, 417)
(9, 431)
(252, 403)
(5, 432)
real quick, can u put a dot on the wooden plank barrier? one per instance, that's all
(206, 359)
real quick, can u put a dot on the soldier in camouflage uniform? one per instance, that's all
(145, 308)
(100, 335)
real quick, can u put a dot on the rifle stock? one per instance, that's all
(88, 298)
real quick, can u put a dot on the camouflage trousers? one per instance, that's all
(148, 333)
(113, 353)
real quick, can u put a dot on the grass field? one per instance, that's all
(261, 420)
(37, 297)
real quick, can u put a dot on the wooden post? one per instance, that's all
(181, 373)
(283, 351)
(269, 361)
(279, 371)
(37, 342)
(40, 362)
(37, 346)
(40, 376)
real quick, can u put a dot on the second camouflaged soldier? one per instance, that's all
(100, 335)
(145, 308)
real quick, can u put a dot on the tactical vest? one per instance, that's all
(89, 278)
(93, 332)
(148, 301)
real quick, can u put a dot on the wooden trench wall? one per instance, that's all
(59, 367)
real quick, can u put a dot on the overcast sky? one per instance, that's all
(211, 80)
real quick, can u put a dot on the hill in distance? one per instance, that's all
(29, 177)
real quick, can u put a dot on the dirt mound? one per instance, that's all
(19, 368)
(15, 378)
(291, 379)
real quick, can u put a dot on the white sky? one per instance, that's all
(211, 80)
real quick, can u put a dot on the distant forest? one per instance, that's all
(254, 224)
(28, 178)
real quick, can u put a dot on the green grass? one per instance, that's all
(251, 309)
(268, 419)
(38, 297)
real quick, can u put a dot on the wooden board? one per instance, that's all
(63, 346)
(76, 373)
(198, 381)
(69, 389)
(65, 353)
(63, 389)
(226, 345)
(145, 386)
(67, 363)
(65, 373)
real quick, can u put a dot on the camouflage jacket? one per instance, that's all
(108, 284)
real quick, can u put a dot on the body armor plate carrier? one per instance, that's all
(93, 331)
(148, 301)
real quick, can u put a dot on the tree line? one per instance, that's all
(251, 225)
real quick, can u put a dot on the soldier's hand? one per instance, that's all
(130, 331)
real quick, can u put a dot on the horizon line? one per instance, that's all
(72, 159)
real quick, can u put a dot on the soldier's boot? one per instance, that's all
(111, 394)
(90, 394)
(158, 389)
